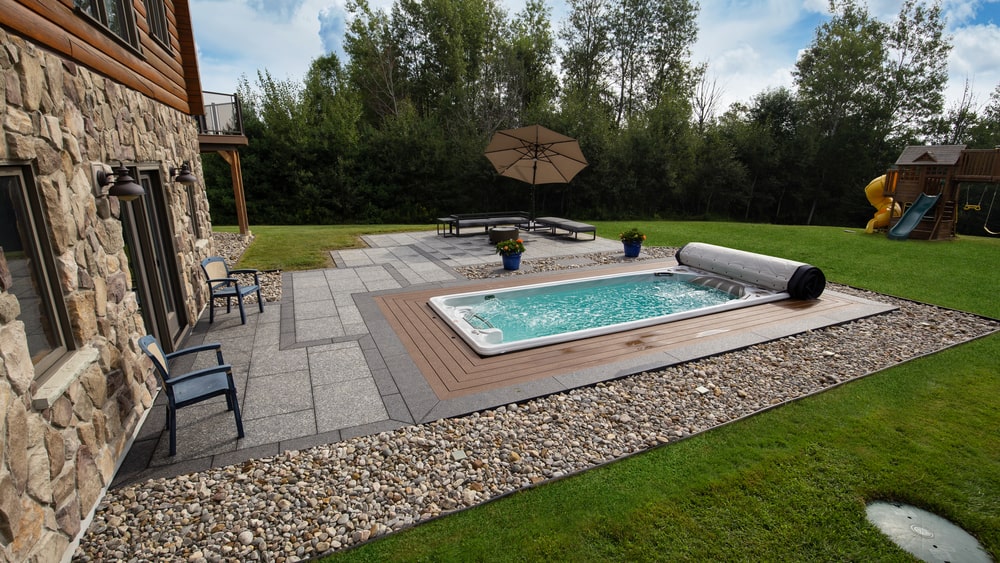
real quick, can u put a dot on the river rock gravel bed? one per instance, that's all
(304, 503)
(231, 247)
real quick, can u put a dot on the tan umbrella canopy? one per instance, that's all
(535, 155)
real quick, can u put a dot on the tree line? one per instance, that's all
(395, 133)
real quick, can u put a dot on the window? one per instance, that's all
(24, 252)
(156, 18)
(115, 15)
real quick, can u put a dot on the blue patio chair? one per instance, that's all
(193, 387)
(221, 283)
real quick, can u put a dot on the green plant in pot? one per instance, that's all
(510, 251)
(632, 241)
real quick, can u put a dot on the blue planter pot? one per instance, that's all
(511, 262)
(632, 249)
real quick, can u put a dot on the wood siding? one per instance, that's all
(168, 76)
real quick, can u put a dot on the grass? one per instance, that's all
(957, 274)
(786, 485)
(791, 483)
(306, 247)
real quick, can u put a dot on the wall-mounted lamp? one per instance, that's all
(183, 175)
(123, 186)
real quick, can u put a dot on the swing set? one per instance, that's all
(920, 195)
(979, 206)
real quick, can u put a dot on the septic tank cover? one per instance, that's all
(925, 535)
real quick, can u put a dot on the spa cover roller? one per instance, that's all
(799, 280)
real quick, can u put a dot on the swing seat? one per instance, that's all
(986, 223)
(972, 207)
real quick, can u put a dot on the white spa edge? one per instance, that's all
(454, 309)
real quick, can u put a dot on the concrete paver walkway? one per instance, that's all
(308, 369)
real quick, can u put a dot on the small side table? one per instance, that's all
(445, 226)
(498, 234)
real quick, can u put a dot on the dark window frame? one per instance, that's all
(97, 12)
(156, 19)
(38, 250)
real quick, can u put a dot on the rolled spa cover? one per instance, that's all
(799, 280)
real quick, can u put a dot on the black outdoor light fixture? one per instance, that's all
(183, 175)
(124, 186)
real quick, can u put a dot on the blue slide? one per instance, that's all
(911, 218)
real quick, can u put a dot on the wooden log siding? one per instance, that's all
(170, 78)
(180, 18)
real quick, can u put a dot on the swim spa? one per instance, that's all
(708, 279)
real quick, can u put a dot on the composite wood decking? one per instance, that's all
(453, 369)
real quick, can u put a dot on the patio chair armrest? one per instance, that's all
(223, 282)
(254, 271)
(193, 350)
(222, 368)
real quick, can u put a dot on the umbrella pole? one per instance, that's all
(534, 173)
(532, 202)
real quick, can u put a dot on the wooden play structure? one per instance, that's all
(925, 184)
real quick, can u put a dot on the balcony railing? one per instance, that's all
(222, 115)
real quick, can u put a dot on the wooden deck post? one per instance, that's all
(233, 158)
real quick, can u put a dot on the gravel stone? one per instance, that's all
(300, 504)
(231, 247)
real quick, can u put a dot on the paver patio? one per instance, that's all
(334, 358)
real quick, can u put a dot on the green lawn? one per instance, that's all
(791, 483)
(306, 247)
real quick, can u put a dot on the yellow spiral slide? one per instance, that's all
(885, 206)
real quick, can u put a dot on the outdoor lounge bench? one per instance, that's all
(453, 224)
(574, 227)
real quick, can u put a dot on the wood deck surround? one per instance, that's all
(453, 369)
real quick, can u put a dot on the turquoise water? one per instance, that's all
(522, 317)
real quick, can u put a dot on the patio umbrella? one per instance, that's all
(535, 155)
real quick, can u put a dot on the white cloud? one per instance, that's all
(235, 39)
(284, 9)
(736, 59)
(975, 58)
(331, 30)
(963, 12)
(976, 50)
(749, 45)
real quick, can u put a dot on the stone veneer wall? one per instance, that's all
(63, 438)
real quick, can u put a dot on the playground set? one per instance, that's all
(919, 197)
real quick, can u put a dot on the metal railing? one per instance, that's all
(222, 115)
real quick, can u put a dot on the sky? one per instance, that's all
(749, 45)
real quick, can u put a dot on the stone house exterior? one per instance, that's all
(82, 274)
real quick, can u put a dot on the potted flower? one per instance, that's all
(510, 251)
(632, 241)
